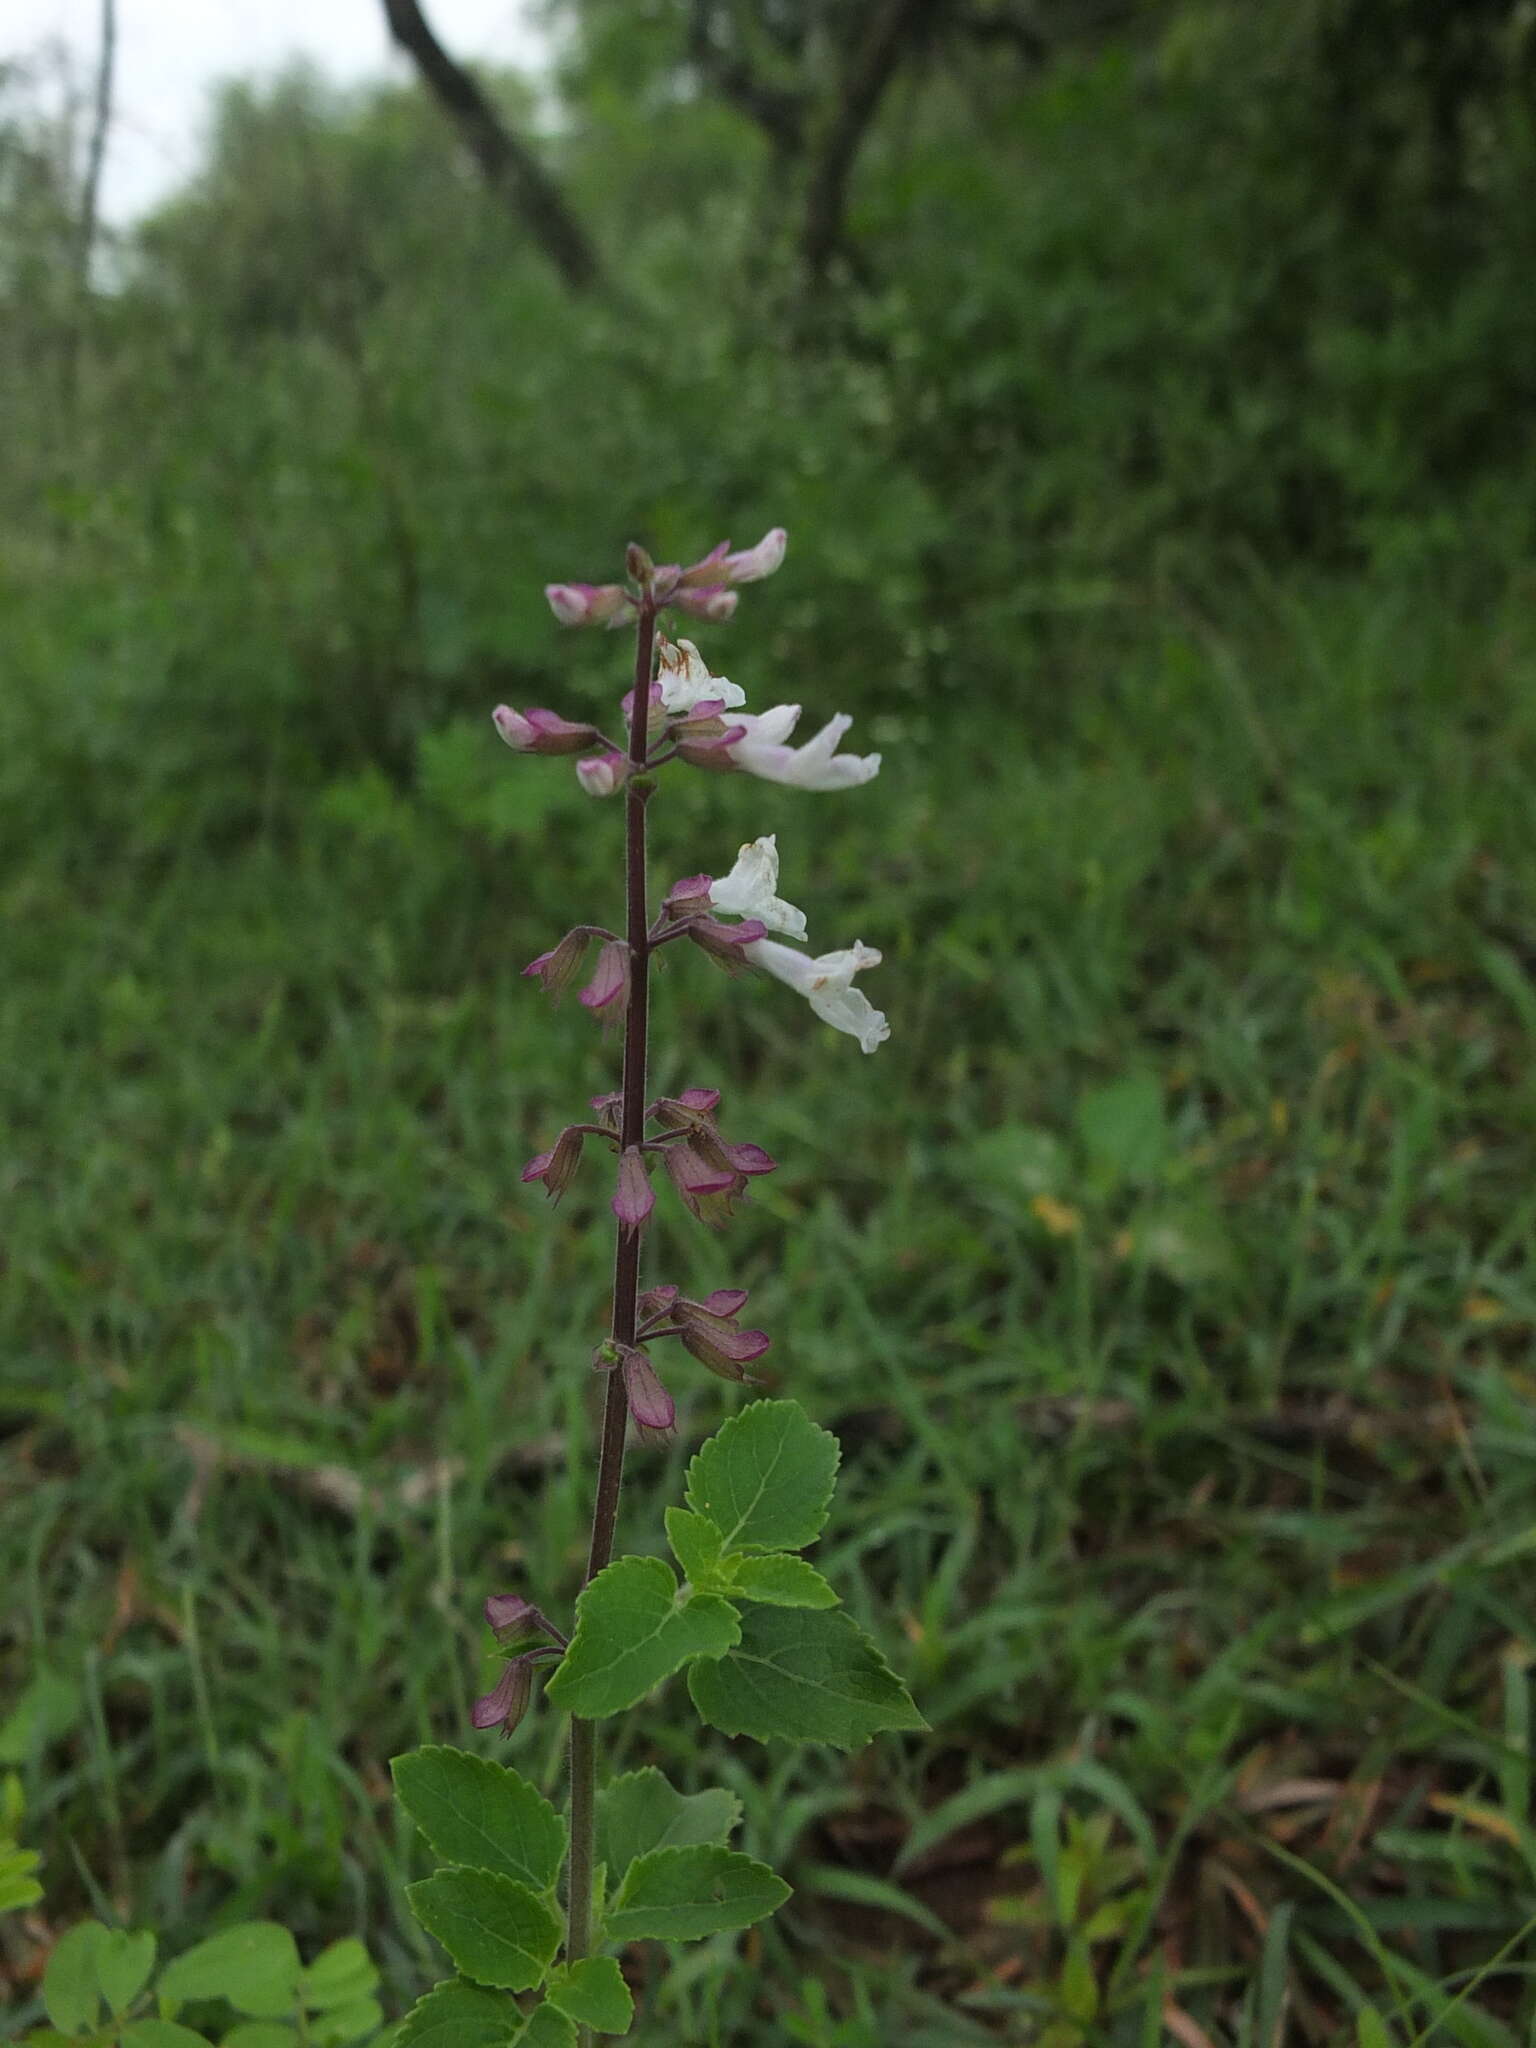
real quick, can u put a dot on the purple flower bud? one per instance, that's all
(610, 978)
(707, 1191)
(711, 750)
(557, 1169)
(504, 1611)
(587, 604)
(723, 942)
(706, 1100)
(713, 602)
(656, 1301)
(725, 1301)
(633, 1198)
(651, 1407)
(542, 732)
(601, 774)
(504, 1707)
(558, 968)
(726, 1351)
(691, 891)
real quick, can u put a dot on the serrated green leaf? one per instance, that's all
(478, 1812)
(684, 1894)
(547, 2028)
(498, 1931)
(254, 1967)
(259, 2034)
(71, 1988)
(337, 2024)
(339, 1975)
(766, 1478)
(160, 2034)
(640, 1811)
(696, 1546)
(780, 1581)
(123, 1964)
(632, 1631)
(804, 1676)
(459, 2015)
(593, 1994)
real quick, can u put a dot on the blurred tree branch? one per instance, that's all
(777, 110)
(871, 66)
(507, 164)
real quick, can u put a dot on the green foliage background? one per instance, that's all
(1160, 500)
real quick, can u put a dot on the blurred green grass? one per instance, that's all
(1167, 1277)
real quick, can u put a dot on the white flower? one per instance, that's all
(748, 890)
(685, 680)
(816, 765)
(827, 984)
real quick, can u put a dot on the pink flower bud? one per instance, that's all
(633, 1198)
(558, 968)
(541, 732)
(707, 1191)
(650, 1405)
(557, 1169)
(587, 604)
(691, 891)
(610, 978)
(602, 774)
(504, 1707)
(751, 565)
(713, 603)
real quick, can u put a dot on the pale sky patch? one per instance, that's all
(170, 52)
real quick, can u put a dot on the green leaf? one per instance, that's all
(339, 1975)
(459, 2015)
(259, 2034)
(71, 1987)
(160, 2034)
(640, 1811)
(631, 1633)
(684, 1894)
(254, 1967)
(123, 1964)
(498, 1931)
(1371, 2028)
(781, 1581)
(18, 1887)
(547, 2028)
(593, 1994)
(696, 1546)
(49, 1707)
(341, 2023)
(804, 1677)
(478, 1812)
(1123, 1128)
(766, 1478)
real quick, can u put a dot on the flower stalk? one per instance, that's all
(626, 1268)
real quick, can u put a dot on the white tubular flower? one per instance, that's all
(827, 985)
(685, 680)
(816, 765)
(748, 890)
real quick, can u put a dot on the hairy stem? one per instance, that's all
(626, 1280)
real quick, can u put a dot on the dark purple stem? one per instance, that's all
(626, 1274)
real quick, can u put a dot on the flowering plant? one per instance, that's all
(530, 1899)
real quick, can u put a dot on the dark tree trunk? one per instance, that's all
(508, 166)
